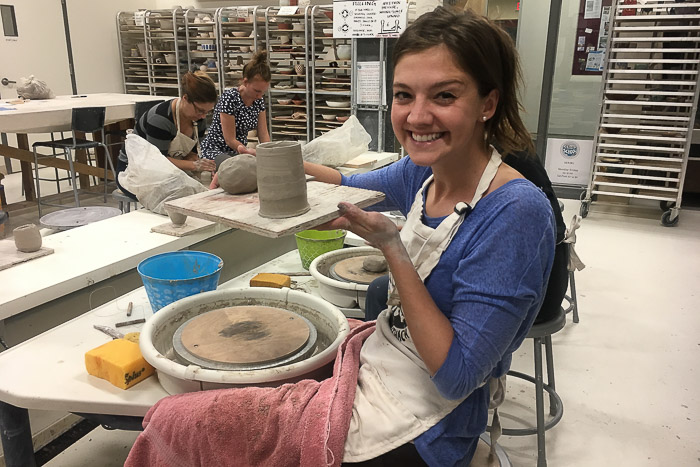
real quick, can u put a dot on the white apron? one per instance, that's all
(182, 144)
(395, 399)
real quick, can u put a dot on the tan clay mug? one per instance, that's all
(281, 180)
(27, 238)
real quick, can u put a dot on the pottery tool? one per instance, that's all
(244, 338)
(114, 334)
(75, 217)
(271, 280)
(129, 323)
(129, 308)
(118, 361)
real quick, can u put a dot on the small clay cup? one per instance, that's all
(281, 180)
(27, 238)
(177, 218)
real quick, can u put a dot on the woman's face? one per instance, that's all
(196, 110)
(254, 88)
(437, 112)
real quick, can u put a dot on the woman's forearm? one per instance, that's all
(322, 173)
(183, 164)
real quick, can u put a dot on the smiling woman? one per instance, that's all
(469, 268)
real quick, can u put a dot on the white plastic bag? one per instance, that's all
(338, 146)
(31, 88)
(153, 178)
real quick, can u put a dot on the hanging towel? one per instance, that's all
(575, 263)
(300, 424)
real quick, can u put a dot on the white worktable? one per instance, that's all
(48, 371)
(88, 255)
(47, 115)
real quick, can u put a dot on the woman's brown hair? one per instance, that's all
(485, 52)
(198, 87)
(258, 66)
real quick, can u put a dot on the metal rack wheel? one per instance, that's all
(585, 206)
(666, 205)
(670, 218)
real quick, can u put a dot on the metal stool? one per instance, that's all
(481, 456)
(124, 201)
(571, 299)
(542, 335)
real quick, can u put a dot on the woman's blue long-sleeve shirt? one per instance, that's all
(489, 283)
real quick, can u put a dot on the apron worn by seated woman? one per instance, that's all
(392, 408)
(181, 146)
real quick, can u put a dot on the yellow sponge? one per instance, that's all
(265, 279)
(120, 362)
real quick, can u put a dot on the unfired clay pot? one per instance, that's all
(27, 238)
(281, 180)
(177, 218)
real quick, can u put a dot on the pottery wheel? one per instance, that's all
(244, 337)
(75, 217)
(351, 270)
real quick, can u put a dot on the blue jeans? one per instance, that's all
(376, 297)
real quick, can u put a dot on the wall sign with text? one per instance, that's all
(369, 18)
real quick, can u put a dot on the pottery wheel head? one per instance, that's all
(352, 270)
(243, 335)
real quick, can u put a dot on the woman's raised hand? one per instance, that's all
(245, 150)
(374, 227)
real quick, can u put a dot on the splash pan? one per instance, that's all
(176, 375)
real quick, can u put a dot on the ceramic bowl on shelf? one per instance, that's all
(298, 101)
(328, 32)
(286, 71)
(284, 101)
(338, 104)
(342, 118)
(284, 39)
(299, 69)
(298, 26)
(344, 52)
(170, 59)
(301, 84)
(244, 49)
(328, 117)
(240, 33)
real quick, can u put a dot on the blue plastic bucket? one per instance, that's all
(168, 277)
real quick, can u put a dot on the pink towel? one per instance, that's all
(300, 424)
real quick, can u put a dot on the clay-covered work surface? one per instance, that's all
(9, 255)
(191, 225)
(241, 211)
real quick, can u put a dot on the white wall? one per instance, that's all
(94, 39)
(575, 99)
(532, 37)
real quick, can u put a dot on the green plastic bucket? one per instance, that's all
(314, 243)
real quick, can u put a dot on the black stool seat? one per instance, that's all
(547, 328)
(68, 143)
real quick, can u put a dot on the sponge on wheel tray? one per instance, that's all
(120, 362)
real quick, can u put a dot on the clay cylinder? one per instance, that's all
(27, 238)
(281, 180)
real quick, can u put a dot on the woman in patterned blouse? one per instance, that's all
(239, 111)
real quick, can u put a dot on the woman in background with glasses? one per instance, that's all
(176, 126)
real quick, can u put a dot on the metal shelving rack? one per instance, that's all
(132, 48)
(332, 77)
(201, 36)
(287, 37)
(166, 50)
(648, 105)
(241, 32)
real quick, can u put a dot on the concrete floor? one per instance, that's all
(627, 373)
